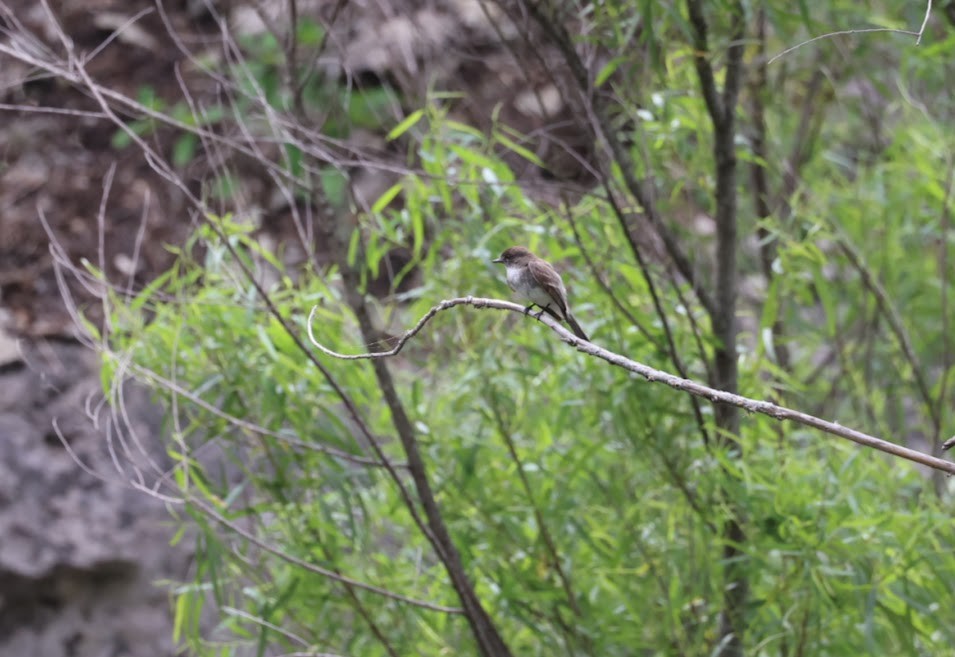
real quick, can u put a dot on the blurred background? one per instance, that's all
(182, 182)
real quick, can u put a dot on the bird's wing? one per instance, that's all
(548, 278)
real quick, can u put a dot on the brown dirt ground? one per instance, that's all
(55, 166)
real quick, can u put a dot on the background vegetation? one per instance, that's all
(773, 223)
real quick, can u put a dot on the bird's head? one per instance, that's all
(513, 256)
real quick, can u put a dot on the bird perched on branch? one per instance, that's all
(537, 281)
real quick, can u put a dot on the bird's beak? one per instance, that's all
(498, 260)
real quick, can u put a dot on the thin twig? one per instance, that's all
(599, 125)
(549, 543)
(604, 285)
(928, 12)
(305, 565)
(77, 73)
(255, 540)
(896, 325)
(844, 32)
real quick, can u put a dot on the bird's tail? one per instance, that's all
(575, 327)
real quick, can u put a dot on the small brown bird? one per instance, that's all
(538, 282)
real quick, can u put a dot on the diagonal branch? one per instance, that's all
(653, 375)
(896, 325)
(671, 347)
(489, 641)
(549, 543)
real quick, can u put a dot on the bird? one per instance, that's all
(537, 281)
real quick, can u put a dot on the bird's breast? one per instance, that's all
(515, 278)
(522, 281)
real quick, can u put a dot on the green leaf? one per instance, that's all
(608, 69)
(184, 150)
(148, 292)
(310, 33)
(511, 145)
(474, 158)
(265, 340)
(408, 122)
(385, 199)
(464, 128)
(353, 246)
(417, 231)
(280, 339)
(367, 108)
(335, 186)
(120, 140)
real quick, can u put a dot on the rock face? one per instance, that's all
(80, 557)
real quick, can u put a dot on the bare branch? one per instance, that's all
(653, 375)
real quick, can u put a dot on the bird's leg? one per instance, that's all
(550, 311)
(543, 309)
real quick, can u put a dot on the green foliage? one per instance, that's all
(846, 552)
(341, 106)
(531, 444)
(185, 145)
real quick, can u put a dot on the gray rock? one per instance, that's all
(79, 555)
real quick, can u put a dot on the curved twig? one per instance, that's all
(865, 30)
